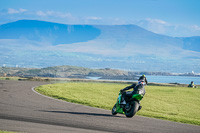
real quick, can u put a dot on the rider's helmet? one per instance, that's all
(141, 80)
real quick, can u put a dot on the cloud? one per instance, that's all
(162, 27)
(195, 27)
(157, 21)
(14, 11)
(11, 14)
(10, 11)
(53, 14)
(93, 18)
(40, 13)
(155, 25)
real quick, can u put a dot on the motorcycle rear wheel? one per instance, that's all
(131, 112)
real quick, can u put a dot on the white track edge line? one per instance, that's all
(33, 89)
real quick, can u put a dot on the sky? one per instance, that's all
(177, 18)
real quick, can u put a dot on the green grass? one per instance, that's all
(180, 104)
(6, 132)
(9, 78)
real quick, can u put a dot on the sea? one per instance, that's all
(173, 79)
(166, 79)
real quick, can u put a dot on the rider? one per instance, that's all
(137, 88)
(191, 84)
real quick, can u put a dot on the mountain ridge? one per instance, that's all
(42, 31)
(96, 46)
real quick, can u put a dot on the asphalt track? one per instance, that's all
(23, 110)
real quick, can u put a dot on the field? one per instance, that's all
(180, 104)
(9, 78)
(6, 132)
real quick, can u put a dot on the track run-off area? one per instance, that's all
(24, 110)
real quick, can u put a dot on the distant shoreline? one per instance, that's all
(55, 80)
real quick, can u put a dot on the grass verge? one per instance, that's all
(6, 132)
(9, 78)
(180, 104)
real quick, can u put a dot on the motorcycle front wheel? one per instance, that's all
(132, 110)
(114, 110)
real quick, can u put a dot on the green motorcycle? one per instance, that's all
(131, 106)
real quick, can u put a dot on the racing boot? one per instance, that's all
(140, 107)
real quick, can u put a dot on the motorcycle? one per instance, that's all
(130, 108)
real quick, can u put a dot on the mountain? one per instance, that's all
(52, 33)
(32, 43)
(191, 43)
